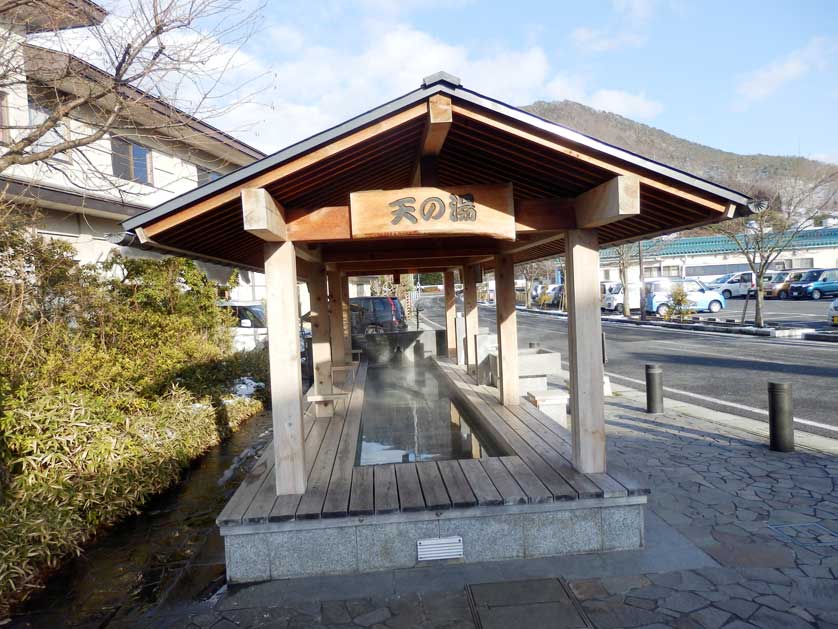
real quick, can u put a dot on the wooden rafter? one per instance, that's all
(437, 125)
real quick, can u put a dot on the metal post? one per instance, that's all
(604, 351)
(654, 389)
(780, 417)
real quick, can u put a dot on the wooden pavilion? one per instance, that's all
(442, 178)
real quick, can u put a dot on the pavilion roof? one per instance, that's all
(488, 142)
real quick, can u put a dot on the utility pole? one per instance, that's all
(642, 283)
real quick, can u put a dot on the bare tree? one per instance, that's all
(149, 69)
(780, 214)
(533, 271)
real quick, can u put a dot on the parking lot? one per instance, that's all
(787, 312)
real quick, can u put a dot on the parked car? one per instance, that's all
(815, 284)
(778, 285)
(700, 296)
(614, 299)
(832, 313)
(251, 329)
(377, 315)
(733, 284)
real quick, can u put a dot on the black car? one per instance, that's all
(377, 315)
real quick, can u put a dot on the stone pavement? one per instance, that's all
(737, 536)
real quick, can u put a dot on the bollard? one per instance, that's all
(780, 417)
(654, 389)
(534, 344)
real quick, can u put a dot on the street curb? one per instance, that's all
(793, 333)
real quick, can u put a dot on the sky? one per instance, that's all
(743, 76)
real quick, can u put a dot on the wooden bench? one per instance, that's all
(328, 397)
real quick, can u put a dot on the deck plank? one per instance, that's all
(385, 489)
(311, 504)
(410, 492)
(550, 447)
(558, 487)
(235, 509)
(286, 505)
(529, 482)
(484, 490)
(509, 492)
(559, 438)
(361, 500)
(634, 485)
(436, 496)
(457, 485)
(336, 503)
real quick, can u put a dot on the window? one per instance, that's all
(606, 274)
(53, 136)
(803, 263)
(651, 271)
(130, 161)
(205, 175)
(4, 118)
(671, 271)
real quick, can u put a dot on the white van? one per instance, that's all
(733, 284)
(614, 298)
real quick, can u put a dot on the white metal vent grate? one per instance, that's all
(438, 548)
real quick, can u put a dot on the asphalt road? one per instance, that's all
(723, 371)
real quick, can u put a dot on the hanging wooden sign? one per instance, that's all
(485, 210)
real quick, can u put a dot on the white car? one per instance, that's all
(614, 298)
(250, 331)
(733, 284)
(832, 313)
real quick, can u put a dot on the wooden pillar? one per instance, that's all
(283, 313)
(587, 402)
(338, 339)
(450, 315)
(321, 351)
(507, 330)
(470, 314)
(346, 317)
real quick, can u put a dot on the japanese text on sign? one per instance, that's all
(459, 208)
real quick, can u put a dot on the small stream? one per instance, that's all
(171, 552)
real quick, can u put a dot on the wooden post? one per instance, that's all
(507, 330)
(347, 319)
(338, 339)
(587, 402)
(321, 352)
(450, 315)
(470, 313)
(283, 315)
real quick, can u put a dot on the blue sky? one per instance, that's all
(748, 77)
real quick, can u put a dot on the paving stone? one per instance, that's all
(588, 588)
(739, 607)
(622, 584)
(815, 594)
(710, 617)
(642, 603)
(767, 618)
(684, 602)
(374, 617)
(334, 613)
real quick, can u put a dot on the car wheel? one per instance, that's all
(619, 308)
(715, 306)
(816, 294)
(783, 294)
(727, 294)
(662, 310)
(374, 329)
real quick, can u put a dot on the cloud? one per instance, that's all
(631, 20)
(766, 81)
(630, 105)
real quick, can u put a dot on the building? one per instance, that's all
(711, 256)
(84, 194)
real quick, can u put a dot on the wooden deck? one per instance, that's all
(537, 468)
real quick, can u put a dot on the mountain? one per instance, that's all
(742, 172)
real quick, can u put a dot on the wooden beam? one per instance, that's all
(440, 117)
(339, 353)
(346, 318)
(309, 254)
(321, 351)
(283, 313)
(587, 405)
(507, 328)
(262, 215)
(544, 215)
(145, 240)
(569, 149)
(616, 199)
(385, 255)
(471, 317)
(288, 168)
(325, 224)
(450, 314)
